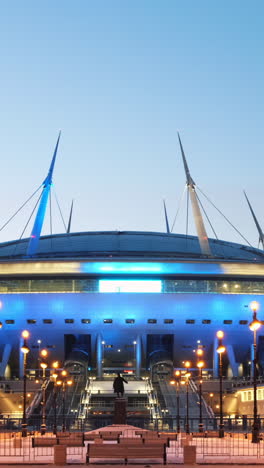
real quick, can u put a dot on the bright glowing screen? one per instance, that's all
(130, 286)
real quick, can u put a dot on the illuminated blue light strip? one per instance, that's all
(154, 268)
(130, 286)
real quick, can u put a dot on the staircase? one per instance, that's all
(168, 394)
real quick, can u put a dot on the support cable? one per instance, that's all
(36, 204)
(65, 227)
(10, 219)
(50, 214)
(181, 199)
(58, 205)
(229, 222)
(50, 221)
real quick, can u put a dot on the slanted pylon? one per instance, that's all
(166, 218)
(261, 235)
(198, 219)
(40, 216)
(70, 219)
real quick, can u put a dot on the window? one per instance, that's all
(206, 321)
(130, 321)
(228, 322)
(31, 321)
(10, 322)
(108, 346)
(130, 286)
(86, 320)
(108, 321)
(190, 321)
(69, 321)
(244, 396)
(243, 322)
(47, 321)
(51, 346)
(168, 320)
(152, 321)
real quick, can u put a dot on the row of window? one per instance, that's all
(107, 346)
(131, 321)
(248, 395)
(130, 286)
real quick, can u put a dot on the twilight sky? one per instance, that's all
(120, 78)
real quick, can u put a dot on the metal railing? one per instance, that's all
(233, 448)
(165, 423)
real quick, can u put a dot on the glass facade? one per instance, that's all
(174, 286)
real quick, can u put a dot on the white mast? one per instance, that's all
(198, 219)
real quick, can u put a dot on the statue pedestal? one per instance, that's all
(120, 411)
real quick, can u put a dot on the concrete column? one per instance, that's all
(215, 359)
(99, 355)
(5, 359)
(232, 360)
(138, 356)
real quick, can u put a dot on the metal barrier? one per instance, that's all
(165, 423)
(233, 448)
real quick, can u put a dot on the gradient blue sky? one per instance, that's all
(120, 78)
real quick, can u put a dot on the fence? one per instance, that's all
(165, 423)
(233, 448)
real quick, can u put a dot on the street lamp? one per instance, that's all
(63, 382)
(200, 365)
(55, 366)
(254, 326)
(220, 350)
(177, 382)
(43, 365)
(103, 346)
(187, 375)
(135, 360)
(25, 350)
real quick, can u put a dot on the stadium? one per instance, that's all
(135, 302)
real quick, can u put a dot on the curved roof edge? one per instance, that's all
(128, 244)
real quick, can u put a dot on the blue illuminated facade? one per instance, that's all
(114, 300)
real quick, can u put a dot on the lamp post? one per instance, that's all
(178, 378)
(177, 382)
(25, 351)
(103, 345)
(55, 408)
(63, 382)
(187, 365)
(135, 360)
(200, 365)
(43, 365)
(254, 326)
(220, 350)
(55, 366)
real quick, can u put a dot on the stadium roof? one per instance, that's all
(127, 244)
